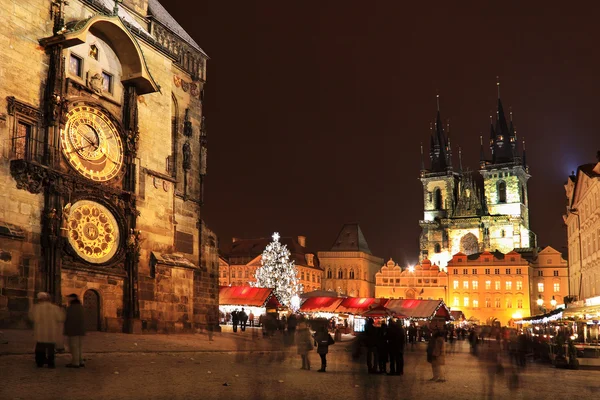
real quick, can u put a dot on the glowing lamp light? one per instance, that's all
(540, 302)
(295, 302)
(517, 315)
(411, 268)
(553, 302)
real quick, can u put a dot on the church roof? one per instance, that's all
(161, 15)
(351, 238)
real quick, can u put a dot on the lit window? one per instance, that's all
(540, 287)
(488, 302)
(556, 287)
(519, 285)
(76, 65)
(475, 303)
(107, 82)
(466, 302)
(456, 302)
(519, 303)
(475, 285)
(497, 285)
(508, 285)
(497, 302)
(465, 284)
(508, 303)
(455, 284)
(488, 285)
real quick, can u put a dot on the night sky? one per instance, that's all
(316, 110)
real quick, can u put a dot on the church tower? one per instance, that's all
(440, 184)
(505, 185)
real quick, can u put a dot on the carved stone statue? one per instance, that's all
(96, 83)
(187, 155)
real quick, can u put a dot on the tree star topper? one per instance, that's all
(276, 237)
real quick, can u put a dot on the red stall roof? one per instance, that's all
(355, 305)
(247, 296)
(321, 304)
(414, 308)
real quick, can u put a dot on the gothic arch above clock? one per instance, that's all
(113, 31)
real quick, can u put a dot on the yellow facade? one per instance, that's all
(549, 280)
(423, 281)
(490, 286)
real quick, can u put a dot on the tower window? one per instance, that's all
(437, 199)
(76, 65)
(107, 82)
(438, 248)
(501, 192)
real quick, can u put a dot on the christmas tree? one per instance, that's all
(279, 273)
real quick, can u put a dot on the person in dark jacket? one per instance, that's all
(396, 342)
(382, 348)
(243, 317)
(235, 319)
(323, 340)
(75, 330)
(371, 342)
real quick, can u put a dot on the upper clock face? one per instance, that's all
(91, 144)
(93, 231)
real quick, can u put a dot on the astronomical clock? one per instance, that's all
(103, 129)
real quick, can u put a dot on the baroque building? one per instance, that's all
(424, 281)
(103, 159)
(238, 268)
(349, 267)
(471, 212)
(582, 218)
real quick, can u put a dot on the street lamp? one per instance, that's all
(553, 302)
(540, 303)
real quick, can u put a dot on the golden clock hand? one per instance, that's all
(80, 148)
(106, 154)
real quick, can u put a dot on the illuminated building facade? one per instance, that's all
(549, 279)
(424, 281)
(490, 286)
(103, 158)
(470, 212)
(349, 268)
(582, 218)
(239, 267)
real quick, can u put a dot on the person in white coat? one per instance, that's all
(47, 318)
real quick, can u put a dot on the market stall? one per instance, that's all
(421, 312)
(320, 307)
(257, 301)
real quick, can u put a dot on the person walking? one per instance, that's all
(324, 340)
(251, 317)
(382, 348)
(438, 353)
(75, 330)
(396, 343)
(45, 317)
(235, 319)
(304, 343)
(243, 317)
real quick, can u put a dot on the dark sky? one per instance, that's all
(316, 110)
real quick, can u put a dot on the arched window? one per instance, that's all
(501, 192)
(351, 274)
(340, 274)
(437, 199)
(329, 274)
(437, 248)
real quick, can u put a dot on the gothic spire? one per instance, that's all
(439, 145)
(502, 139)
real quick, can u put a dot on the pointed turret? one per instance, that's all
(439, 145)
(502, 136)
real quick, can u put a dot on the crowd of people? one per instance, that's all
(51, 323)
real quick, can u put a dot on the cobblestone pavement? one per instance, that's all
(265, 374)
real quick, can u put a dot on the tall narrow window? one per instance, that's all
(501, 192)
(340, 274)
(107, 82)
(76, 65)
(437, 199)
(437, 248)
(329, 274)
(21, 139)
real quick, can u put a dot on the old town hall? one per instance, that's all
(471, 212)
(102, 165)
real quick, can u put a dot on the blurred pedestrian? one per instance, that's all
(46, 317)
(438, 354)
(304, 343)
(243, 318)
(235, 319)
(323, 340)
(412, 336)
(371, 341)
(251, 316)
(382, 348)
(75, 330)
(489, 359)
(396, 343)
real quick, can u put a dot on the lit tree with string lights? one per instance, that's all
(279, 273)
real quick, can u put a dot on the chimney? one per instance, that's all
(302, 241)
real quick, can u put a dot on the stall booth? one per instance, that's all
(351, 310)
(424, 314)
(320, 307)
(257, 301)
